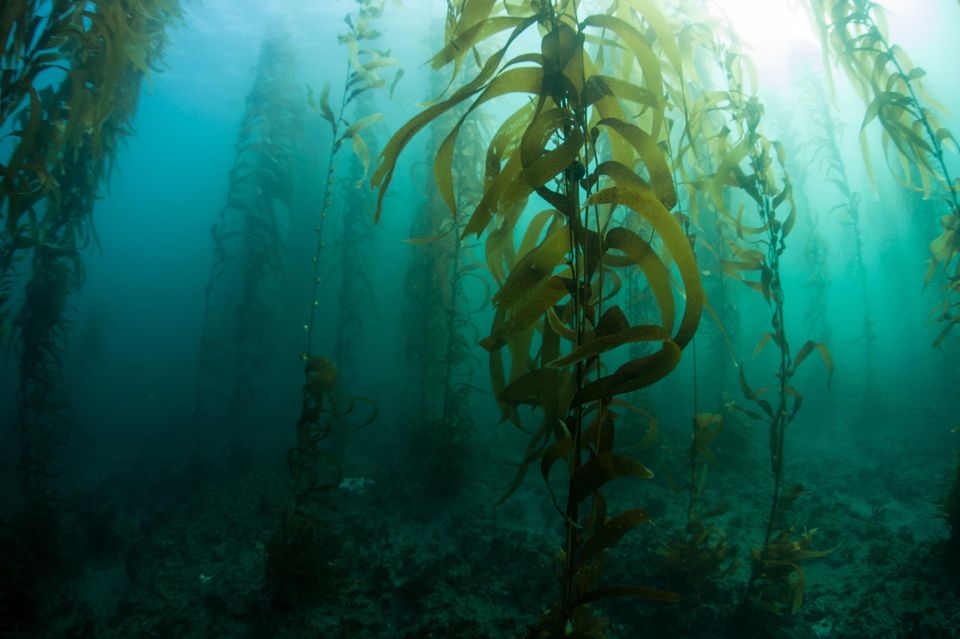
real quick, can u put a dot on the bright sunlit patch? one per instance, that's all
(772, 33)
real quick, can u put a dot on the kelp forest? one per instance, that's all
(479, 318)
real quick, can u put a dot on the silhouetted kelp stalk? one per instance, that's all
(90, 58)
(825, 148)
(700, 554)
(572, 136)
(298, 554)
(355, 291)
(753, 167)
(439, 341)
(362, 75)
(260, 202)
(914, 142)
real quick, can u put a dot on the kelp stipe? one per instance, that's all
(72, 75)
(304, 535)
(364, 77)
(824, 146)
(753, 167)
(241, 301)
(914, 141)
(68, 137)
(572, 146)
(440, 332)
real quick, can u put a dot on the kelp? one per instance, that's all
(70, 88)
(777, 568)
(67, 69)
(314, 467)
(366, 71)
(914, 143)
(355, 236)
(302, 558)
(241, 297)
(753, 167)
(363, 74)
(824, 147)
(572, 146)
(441, 334)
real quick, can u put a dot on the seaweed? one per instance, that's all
(438, 343)
(327, 419)
(356, 218)
(752, 167)
(572, 146)
(914, 142)
(68, 133)
(825, 149)
(241, 296)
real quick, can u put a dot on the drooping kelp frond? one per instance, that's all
(66, 91)
(609, 191)
(914, 142)
(778, 577)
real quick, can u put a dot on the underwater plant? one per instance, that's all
(356, 219)
(439, 343)
(240, 320)
(572, 145)
(825, 149)
(301, 554)
(363, 74)
(72, 80)
(753, 167)
(355, 287)
(315, 470)
(914, 142)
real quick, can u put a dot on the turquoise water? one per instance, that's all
(175, 504)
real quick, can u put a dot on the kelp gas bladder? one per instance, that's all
(555, 343)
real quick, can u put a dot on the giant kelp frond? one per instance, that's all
(365, 68)
(609, 190)
(314, 466)
(71, 79)
(751, 193)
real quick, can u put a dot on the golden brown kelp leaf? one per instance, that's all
(558, 270)
(778, 578)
